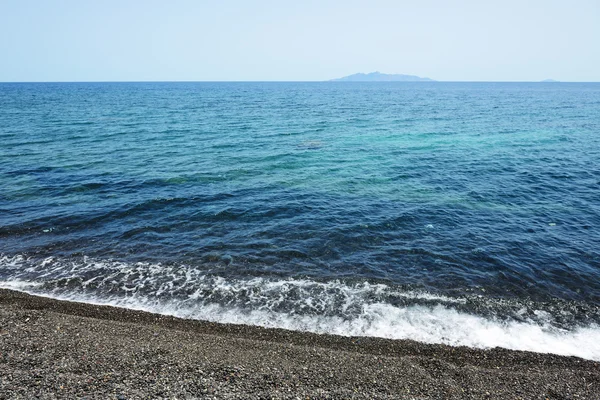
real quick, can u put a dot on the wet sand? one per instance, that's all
(56, 349)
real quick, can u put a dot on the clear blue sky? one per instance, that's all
(479, 40)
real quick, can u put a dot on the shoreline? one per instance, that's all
(61, 349)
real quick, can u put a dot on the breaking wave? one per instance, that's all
(349, 308)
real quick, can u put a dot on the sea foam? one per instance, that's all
(331, 307)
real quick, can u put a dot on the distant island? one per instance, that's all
(549, 81)
(379, 77)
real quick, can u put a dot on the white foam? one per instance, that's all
(334, 307)
(18, 285)
(437, 324)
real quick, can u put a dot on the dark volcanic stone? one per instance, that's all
(51, 349)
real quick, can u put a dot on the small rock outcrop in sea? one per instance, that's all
(310, 145)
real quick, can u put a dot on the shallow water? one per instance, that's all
(462, 213)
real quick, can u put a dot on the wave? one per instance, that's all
(348, 308)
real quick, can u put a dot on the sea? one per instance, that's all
(459, 213)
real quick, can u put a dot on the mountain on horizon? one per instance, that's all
(379, 77)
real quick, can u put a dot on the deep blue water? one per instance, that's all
(433, 211)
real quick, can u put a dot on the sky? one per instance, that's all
(264, 40)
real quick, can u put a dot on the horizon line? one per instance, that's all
(293, 81)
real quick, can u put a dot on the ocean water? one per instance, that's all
(458, 213)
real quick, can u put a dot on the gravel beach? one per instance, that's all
(57, 349)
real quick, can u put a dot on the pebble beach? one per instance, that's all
(52, 349)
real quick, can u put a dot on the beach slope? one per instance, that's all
(57, 349)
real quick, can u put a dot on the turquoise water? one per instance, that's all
(462, 213)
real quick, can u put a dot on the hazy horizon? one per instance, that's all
(233, 41)
(290, 81)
